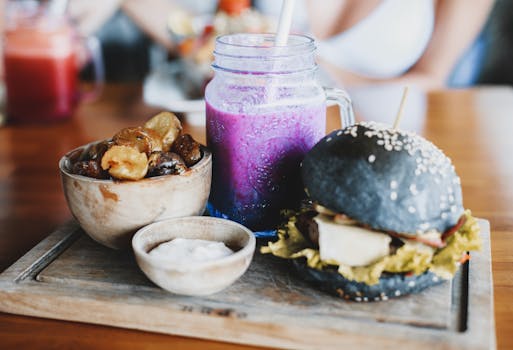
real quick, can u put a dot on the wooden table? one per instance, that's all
(473, 127)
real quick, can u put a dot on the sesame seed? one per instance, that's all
(413, 189)
(435, 278)
(365, 299)
(411, 284)
(393, 195)
(426, 155)
(444, 215)
(393, 184)
(371, 158)
(397, 293)
(376, 298)
(339, 132)
(384, 297)
(358, 299)
(328, 139)
(411, 209)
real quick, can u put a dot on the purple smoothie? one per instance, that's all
(256, 160)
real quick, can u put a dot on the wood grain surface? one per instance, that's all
(472, 126)
(69, 276)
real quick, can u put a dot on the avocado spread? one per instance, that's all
(412, 257)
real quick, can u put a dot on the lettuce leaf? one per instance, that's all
(447, 260)
(291, 245)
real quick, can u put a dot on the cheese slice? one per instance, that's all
(350, 245)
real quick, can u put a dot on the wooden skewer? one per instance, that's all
(401, 108)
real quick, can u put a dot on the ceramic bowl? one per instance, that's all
(194, 278)
(112, 211)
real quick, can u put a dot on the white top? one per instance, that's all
(385, 44)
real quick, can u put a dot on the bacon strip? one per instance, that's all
(465, 258)
(455, 228)
(439, 243)
(435, 243)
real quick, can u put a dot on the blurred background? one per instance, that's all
(167, 44)
(138, 35)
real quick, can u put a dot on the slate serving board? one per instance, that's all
(70, 277)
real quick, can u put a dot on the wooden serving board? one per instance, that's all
(70, 277)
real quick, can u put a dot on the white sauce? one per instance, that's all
(184, 250)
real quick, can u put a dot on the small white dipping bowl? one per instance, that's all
(112, 211)
(194, 278)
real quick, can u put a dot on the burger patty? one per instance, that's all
(308, 227)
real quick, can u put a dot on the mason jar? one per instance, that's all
(265, 110)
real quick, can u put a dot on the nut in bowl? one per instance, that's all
(189, 276)
(111, 210)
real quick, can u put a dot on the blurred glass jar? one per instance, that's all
(196, 36)
(42, 55)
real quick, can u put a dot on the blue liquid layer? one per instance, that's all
(258, 234)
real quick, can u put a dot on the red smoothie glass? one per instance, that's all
(41, 63)
(265, 110)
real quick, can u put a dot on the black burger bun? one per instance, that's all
(390, 285)
(388, 179)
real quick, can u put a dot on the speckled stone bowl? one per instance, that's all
(194, 278)
(112, 211)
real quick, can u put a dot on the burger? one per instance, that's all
(384, 216)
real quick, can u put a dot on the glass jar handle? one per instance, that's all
(344, 102)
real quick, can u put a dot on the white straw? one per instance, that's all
(282, 35)
(58, 7)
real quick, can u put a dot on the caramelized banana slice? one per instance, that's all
(89, 168)
(96, 150)
(144, 140)
(125, 163)
(188, 149)
(167, 126)
(165, 163)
